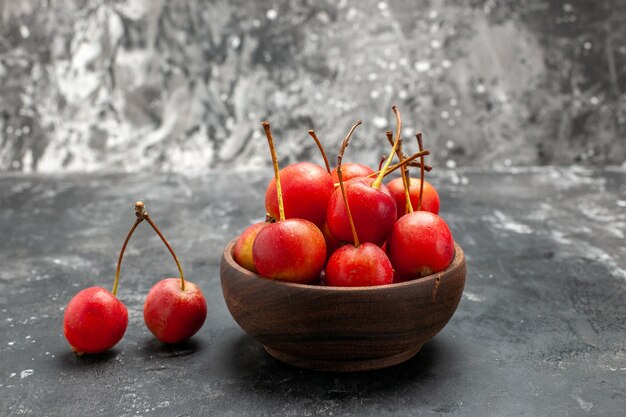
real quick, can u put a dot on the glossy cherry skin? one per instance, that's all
(373, 211)
(174, 315)
(290, 250)
(364, 266)
(430, 197)
(95, 320)
(351, 170)
(242, 252)
(420, 244)
(306, 188)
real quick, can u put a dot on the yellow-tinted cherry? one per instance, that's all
(358, 264)
(175, 309)
(242, 252)
(95, 320)
(291, 249)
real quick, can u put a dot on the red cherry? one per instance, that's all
(351, 170)
(242, 252)
(175, 308)
(306, 188)
(364, 265)
(430, 197)
(373, 211)
(290, 250)
(94, 321)
(174, 315)
(420, 244)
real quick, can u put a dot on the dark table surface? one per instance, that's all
(541, 328)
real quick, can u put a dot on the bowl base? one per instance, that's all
(342, 365)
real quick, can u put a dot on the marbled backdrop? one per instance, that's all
(182, 85)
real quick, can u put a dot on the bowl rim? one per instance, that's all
(457, 261)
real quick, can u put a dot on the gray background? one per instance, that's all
(183, 85)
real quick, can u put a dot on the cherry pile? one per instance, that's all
(345, 227)
(174, 310)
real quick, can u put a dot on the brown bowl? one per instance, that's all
(341, 329)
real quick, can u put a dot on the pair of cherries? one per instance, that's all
(175, 309)
(347, 223)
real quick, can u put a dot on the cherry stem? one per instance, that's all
(383, 158)
(392, 168)
(408, 207)
(406, 182)
(379, 179)
(138, 220)
(402, 156)
(427, 167)
(321, 148)
(389, 135)
(147, 218)
(420, 144)
(344, 145)
(279, 191)
(382, 161)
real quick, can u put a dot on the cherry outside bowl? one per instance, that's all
(341, 329)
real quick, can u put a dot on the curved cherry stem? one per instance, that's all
(392, 168)
(420, 144)
(413, 164)
(344, 145)
(383, 158)
(408, 207)
(427, 167)
(321, 148)
(401, 157)
(147, 218)
(382, 161)
(279, 191)
(406, 182)
(389, 135)
(379, 179)
(138, 220)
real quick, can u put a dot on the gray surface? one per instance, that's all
(540, 330)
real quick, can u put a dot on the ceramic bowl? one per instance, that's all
(341, 329)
